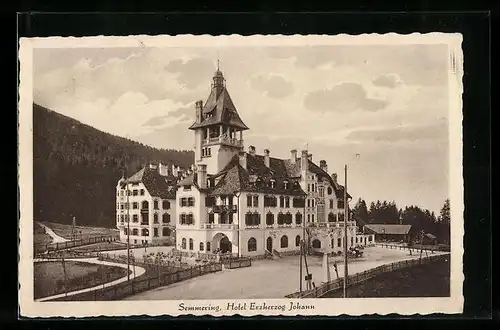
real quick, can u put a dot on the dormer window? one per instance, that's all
(285, 185)
(272, 183)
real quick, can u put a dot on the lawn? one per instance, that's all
(430, 280)
(65, 231)
(101, 246)
(49, 276)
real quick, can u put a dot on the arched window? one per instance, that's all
(166, 218)
(144, 205)
(281, 218)
(252, 244)
(155, 218)
(165, 205)
(297, 240)
(284, 241)
(316, 244)
(191, 244)
(201, 246)
(208, 246)
(288, 218)
(331, 217)
(329, 190)
(183, 246)
(166, 231)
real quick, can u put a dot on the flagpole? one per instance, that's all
(345, 232)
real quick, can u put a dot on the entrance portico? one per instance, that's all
(222, 242)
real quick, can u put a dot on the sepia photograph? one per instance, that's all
(260, 175)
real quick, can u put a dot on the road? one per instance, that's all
(138, 272)
(55, 238)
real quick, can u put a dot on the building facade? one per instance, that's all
(238, 201)
(147, 199)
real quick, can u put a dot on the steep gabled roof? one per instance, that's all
(157, 185)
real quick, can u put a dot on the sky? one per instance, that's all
(380, 109)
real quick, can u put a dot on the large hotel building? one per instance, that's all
(236, 200)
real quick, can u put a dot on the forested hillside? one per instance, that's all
(76, 168)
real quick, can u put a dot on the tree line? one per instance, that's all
(76, 168)
(387, 212)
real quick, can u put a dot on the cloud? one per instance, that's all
(273, 85)
(438, 132)
(390, 80)
(193, 72)
(182, 114)
(344, 97)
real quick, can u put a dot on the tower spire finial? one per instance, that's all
(218, 61)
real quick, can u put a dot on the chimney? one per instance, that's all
(304, 164)
(323, 165)
(202, 176)
(334, 177)
(162, 169)
(199, 111)
(293, 156)
(266, 157)
(251, 150)
(243, 159)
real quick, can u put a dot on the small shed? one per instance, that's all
(388, 232)
(429, 239)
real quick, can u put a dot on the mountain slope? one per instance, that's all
(76, 168)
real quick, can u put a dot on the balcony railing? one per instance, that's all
(145, 210)
(224, 208)
(228, 226)
(330, 224)
(222, 140)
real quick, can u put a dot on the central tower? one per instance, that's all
(218, 129)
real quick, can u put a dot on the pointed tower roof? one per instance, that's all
(219, 108)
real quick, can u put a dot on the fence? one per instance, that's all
(145, 283)
(338, 284)
(165, 264)
(416, 247)
(41, 248)
(233, 263)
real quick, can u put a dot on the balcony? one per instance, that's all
(224, 208)
(222, 140)
(227, 226)
(337, 224)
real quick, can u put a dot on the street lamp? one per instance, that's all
(237, 195)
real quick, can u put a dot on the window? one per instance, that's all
(121, 218)
(285, 185)
(269, 219)
(321, 192)
(135, 231)
(312, 188)
(155, 204)
(165, 205)
(183, 246)
(281, 219)
(135, 218)
(155, 218)
(208, 246)
(308, 218)
(187, 201)
(312, 217)
(329, 190)
(145, 232)
(142, 192)
(249, 201)
(331, 217)
(282, 201)
(135, 205)
(288, 218)
(339, 242)
(155, 232)
(252, 245)
(166, 231)
(202, 248)
(312, 202)
(284, 241)
(287, 201)
(165, 218)
(270, 201)
(352, 241)
(299, 202)
(297, 240)
(356, 240)
(308, 203)
(187, 188)
(186, 219)
(340, 204)
(331, 203)
(308, 187)
(252, 219)
(125, 231)
(211, 217)
(145, 205)
(117, 193)
(316, 244)
(135, 192)
(369, 238)
(191, 244)
(272, 183)
(256, 201)
(298, 218)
